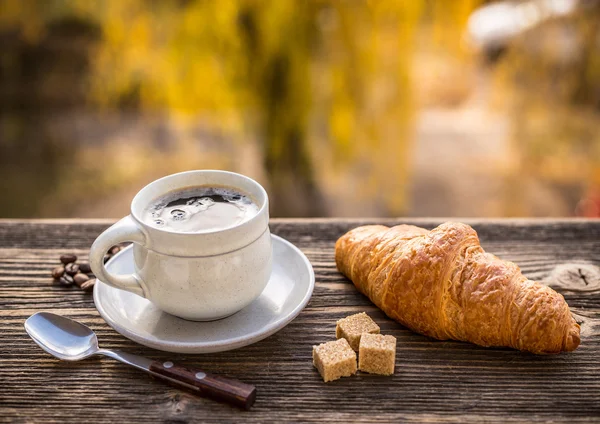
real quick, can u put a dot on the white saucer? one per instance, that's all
(286, 294)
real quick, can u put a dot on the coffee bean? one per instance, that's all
(85, 268)
(72, 269)
(67, 259)
(88, 285)
(80, 278)
(106, 258)
(115, 249)
(58, 272)
(91, 275)
(66, 280)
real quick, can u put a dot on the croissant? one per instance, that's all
(442, 284)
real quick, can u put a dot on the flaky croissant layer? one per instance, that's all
(441, 283)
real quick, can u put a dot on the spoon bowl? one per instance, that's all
(62, 337)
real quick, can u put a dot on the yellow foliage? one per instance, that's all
(319, 82)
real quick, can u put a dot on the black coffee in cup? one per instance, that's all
(200, 209)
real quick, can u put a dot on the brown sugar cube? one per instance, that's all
(334, 360)
(351, 328)
(377, 354)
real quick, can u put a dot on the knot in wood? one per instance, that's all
(576, 277)
(176, 408)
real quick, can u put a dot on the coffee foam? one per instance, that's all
(200, 209)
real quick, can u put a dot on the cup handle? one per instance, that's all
(124, 230)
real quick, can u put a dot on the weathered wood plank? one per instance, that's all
(435, 381)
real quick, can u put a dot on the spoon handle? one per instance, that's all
(225, 389)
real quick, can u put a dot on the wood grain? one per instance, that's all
(434, 381)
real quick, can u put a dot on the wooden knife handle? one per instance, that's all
(228, 390)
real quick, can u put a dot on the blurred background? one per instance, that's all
(339, 108)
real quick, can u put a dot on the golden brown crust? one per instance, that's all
(441, 283)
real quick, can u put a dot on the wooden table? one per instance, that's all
(434, 381)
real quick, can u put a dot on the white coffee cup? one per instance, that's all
(198, 276)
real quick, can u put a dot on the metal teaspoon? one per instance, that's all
(70, 340)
